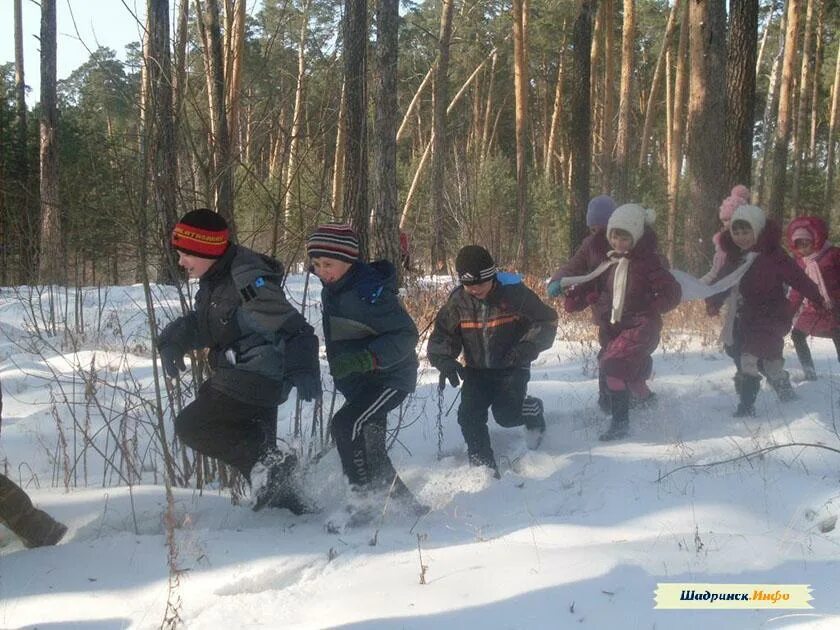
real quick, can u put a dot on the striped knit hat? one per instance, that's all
(334, 240)
(474, 265)
(201, 233)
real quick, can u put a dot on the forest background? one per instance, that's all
(454, 121)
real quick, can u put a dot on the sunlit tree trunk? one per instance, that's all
(740, 91)
(50, 265)
(706, 110)
(801, 127)
(385, 228)
(675, 149)
(520, 88)
(355, 205)
(580, 118)
(778, 174)
(439, 138)
(622, 144)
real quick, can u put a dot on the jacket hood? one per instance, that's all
(815, 226)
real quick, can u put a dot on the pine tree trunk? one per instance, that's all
(580, 118)
(740, 91)
(386, 233)
(337, 195)
(815, 91)
(220, 142)
(675, 149)
(771, 108)
(622, 144)
(801, 127)
(706, 108)
(439, 139)
(24, 228)
(50, 266)
(609, 99)
(656, 83)
(520, 88)
(556, 115)
(234, 53)
(160, 133)
(830, 199)
(355, 204)
(778, 175)
(297, 119)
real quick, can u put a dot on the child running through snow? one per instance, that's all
(591, 253)
(739, 196)
(629, 292)
(371, 349)
(758, 315)
(807, 238)
(501, 326)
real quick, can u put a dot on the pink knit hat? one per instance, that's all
(739, 196)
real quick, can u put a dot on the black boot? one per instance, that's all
(485, 459)
(783, 388)
(604, 401)
(620, 424)
(746, 386)
(276, 483)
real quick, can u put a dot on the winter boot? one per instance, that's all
(604, 401)
(620, 424)
(485, 459)
(34, 527)
(275, 478)
(746, 386)
(532, 414)
(783, 388)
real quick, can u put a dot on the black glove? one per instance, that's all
(452, 371)
(308, 384)
(172, 358)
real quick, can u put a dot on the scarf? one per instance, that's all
(812, 270)
(619, 288)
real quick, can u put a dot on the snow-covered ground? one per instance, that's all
(576, 534)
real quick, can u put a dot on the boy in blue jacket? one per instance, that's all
(371, 349)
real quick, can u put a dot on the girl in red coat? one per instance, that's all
(807, 238)
(629, 291)
(759, 316)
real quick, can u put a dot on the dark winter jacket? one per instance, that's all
(651, 292)
(812, 318)
(509, 328)
(362, 311)
(591, 253)
(764, 314)
(242, 315)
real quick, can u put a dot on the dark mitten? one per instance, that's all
(450, 370)
(308, 384)
(172, 358)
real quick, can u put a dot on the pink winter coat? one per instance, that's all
(651, 291)
(812, 319)
(764, 314)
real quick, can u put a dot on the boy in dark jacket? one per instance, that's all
(808, 240)
(759, 315)
(501, 326)
(241, 314)
(371, 348)
(629, 292)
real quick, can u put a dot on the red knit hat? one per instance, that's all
(201, 233)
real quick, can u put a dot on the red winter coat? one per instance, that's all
(764, 314)
(651, 291)
(813, 319)
(590, 253)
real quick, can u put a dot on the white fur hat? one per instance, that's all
(751, 214)
(632, 218)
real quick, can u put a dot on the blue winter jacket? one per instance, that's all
(362, 311)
